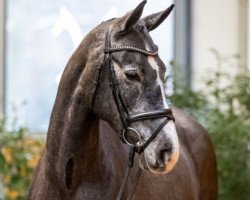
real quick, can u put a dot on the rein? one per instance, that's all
(125, 116)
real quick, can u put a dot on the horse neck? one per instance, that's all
(73, 135)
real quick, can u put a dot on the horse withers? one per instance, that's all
(111, 91)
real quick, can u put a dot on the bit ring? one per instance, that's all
(135, 131)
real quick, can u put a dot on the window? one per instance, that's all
(40, 38)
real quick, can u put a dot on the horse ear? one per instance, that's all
(131, 18)
(154, 20)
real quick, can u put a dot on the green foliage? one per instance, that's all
(223, 107)
(19, 154)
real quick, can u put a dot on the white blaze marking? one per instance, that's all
(169, 129)
(154, 65)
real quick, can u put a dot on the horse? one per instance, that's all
(112, 90)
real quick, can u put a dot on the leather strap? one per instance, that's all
(130, 48)
(152, 137)
(125, 178)
(116, 93)
(124, 181)
(137, 178)
(132, 151)
(150, 115)
(113, 83)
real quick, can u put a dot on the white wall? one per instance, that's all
(248, 33)
(1, 56)
(216, 24)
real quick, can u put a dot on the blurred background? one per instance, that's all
(204, 44)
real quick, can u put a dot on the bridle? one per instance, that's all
(125, 116)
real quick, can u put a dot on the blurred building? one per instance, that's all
(37, 39)
(222, 25)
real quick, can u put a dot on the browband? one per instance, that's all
(109, 49)
(131, 48)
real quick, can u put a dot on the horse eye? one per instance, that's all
(132, 74)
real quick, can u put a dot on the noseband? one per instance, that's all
(125, 116)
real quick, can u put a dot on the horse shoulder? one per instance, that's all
(196, 142)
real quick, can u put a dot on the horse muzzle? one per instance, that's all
(161, 162)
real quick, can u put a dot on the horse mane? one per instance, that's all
(77, 62)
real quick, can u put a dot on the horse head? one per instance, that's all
(139, 77)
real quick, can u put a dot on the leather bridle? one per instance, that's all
(125, 116)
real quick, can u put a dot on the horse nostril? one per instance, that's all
(168, 149)
(165, 151)
(165, 154)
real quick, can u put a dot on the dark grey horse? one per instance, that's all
(84, 158)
